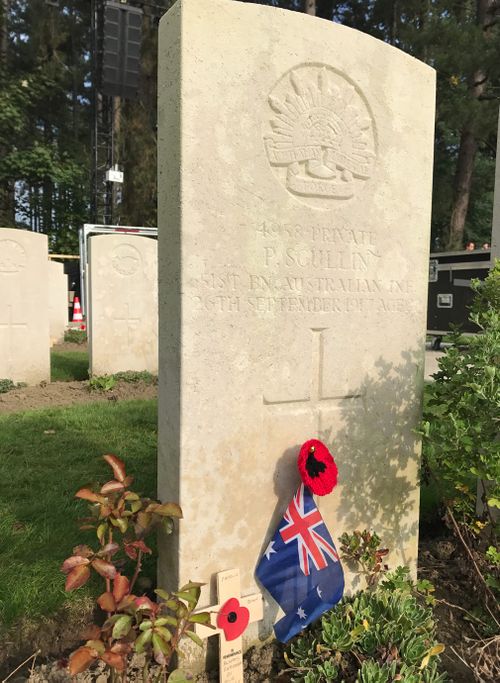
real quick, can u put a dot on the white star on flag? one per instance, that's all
(318, 590)
(301, 613)
(270, 550)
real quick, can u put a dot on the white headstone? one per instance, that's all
(123, 304)
(24, 315)
(295, 177)
(58, 301)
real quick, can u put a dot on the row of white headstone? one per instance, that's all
(123, 326)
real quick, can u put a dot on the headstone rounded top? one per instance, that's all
(319, 135)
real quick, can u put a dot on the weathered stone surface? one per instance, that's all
(295, 171)
(24, 316)
(58, 301)
(123, 304)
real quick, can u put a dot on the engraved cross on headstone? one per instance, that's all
(316, 401)
(10, 326)
(131, 323)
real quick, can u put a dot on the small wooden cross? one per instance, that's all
(230, 651)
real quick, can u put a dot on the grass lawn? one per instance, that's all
(39, 474)
(69, 366)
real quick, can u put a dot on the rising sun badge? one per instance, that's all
(320, 135)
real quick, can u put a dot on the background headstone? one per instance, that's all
(24, 314)
(295, 176)
(58, 301)
(123, 304)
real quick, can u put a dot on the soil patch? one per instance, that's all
(69, 346)
(59, 394)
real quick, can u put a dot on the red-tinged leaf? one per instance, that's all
(165, 509)
(107, 602)
(71, 562)
(105, 569)
(128, 480)
(145, 603)
(92, 632)
(130, 551)
(109, 549)
(127, 602)
(111, 487)
(80, 660)
(132, 548)
(87, 494)
(104, 511)
(77, 577)
(122, 647)
(83, 550)
(143, 521)
(121, 586)
(140, 545)
(115, 660)
(117, 466)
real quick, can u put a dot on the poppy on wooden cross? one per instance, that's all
(231, 617)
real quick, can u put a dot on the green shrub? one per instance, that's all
(6, 385)
(372, 637)
(461, 420)
(136, 376)
(102, 383)
(75, 336)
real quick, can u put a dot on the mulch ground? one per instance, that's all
(59, 394)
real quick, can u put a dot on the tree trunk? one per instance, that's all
(310, 7)
(324, 9)
(4, 33)
(468, 141)
(7, 212)
(463, 183)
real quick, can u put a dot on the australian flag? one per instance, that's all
(300, 566)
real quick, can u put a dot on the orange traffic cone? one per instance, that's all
(77, 311)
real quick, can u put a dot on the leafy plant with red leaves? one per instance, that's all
(362, 548)
(133, 624)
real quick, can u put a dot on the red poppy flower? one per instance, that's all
(317, 467)
(233, 619)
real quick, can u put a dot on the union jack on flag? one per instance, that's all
(300, 566)
(301, 526)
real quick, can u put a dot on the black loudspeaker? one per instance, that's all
(121, 50)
